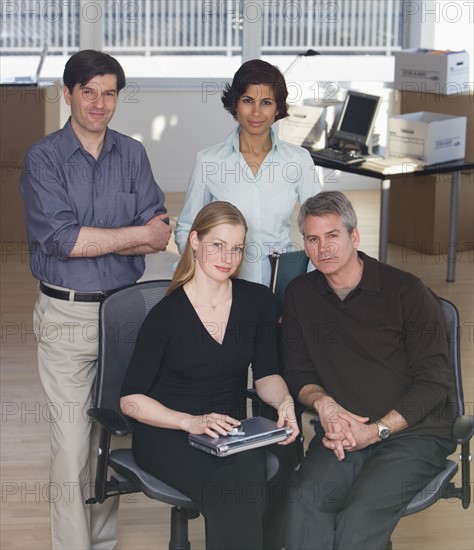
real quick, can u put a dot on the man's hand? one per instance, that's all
(363, 434)
(339, 432)
(160, 232)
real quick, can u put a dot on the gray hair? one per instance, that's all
(328, 202)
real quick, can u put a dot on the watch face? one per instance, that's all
(384, 432)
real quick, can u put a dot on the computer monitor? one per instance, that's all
(357, 119)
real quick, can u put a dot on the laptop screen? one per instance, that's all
(357, 118)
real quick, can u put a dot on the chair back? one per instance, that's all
(452, 333)
(286, 267)
(120, 317)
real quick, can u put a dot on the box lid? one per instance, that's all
(426, 116)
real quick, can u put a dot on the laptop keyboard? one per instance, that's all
(337, 156)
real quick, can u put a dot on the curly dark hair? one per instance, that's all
(255, 72)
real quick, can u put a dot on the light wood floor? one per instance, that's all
(144, 523)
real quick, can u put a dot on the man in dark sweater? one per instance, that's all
(364, 347)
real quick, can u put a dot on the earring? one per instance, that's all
(194, 254)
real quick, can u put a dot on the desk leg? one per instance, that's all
(453, 228)
(384, 218)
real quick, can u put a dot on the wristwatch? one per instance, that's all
(384, 432)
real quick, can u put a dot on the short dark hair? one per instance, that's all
(328, 202)
(254, 72)
(86, 64)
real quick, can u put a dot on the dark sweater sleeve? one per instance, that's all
(265, 358)
(149, 350)
(427, 353)
(299, 369)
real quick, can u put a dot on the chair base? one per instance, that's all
(179, 528)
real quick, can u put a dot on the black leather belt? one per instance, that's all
(77, 296)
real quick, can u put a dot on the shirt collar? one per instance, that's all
(71, 142)
(370, 274)
(232, 143)
(370, 277)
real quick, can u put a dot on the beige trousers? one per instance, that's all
(67, 336)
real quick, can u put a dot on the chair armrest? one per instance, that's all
(111, 420)
(251, 393)
(463, 429)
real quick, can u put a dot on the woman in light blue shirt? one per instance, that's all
(260, 174)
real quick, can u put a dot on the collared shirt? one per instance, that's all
(64, 188)
(266, 200)
(381, 348)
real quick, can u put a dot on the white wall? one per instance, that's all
(172, 124)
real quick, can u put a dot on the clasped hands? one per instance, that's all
(344, 431)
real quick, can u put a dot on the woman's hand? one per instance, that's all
(212, 424)
(287, 417)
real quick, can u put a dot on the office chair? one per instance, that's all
(442, 486)
(285, 267)
(120, 317)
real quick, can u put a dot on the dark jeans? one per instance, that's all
(356, 503)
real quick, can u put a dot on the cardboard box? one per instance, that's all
(419, 207)
(27, 114)
(420, 216)
(457, 105)
(432, 71)
(309, 125)
(431, 137)
(304, 126)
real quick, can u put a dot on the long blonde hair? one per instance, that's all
(210, 216)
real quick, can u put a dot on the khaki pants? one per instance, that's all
(67, 336)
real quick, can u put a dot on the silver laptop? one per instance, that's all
(252, 433)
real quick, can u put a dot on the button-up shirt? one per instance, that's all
(64, 188)
(266, 200)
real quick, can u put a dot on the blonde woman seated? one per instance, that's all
(188, 374)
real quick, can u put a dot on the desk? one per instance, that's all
(454, 168)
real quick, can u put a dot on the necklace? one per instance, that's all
(199, 303)
(212, 306)
(216, 305)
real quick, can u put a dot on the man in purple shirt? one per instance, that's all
(93, 210)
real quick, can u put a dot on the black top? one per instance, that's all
(383, 347)
(177, 362)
